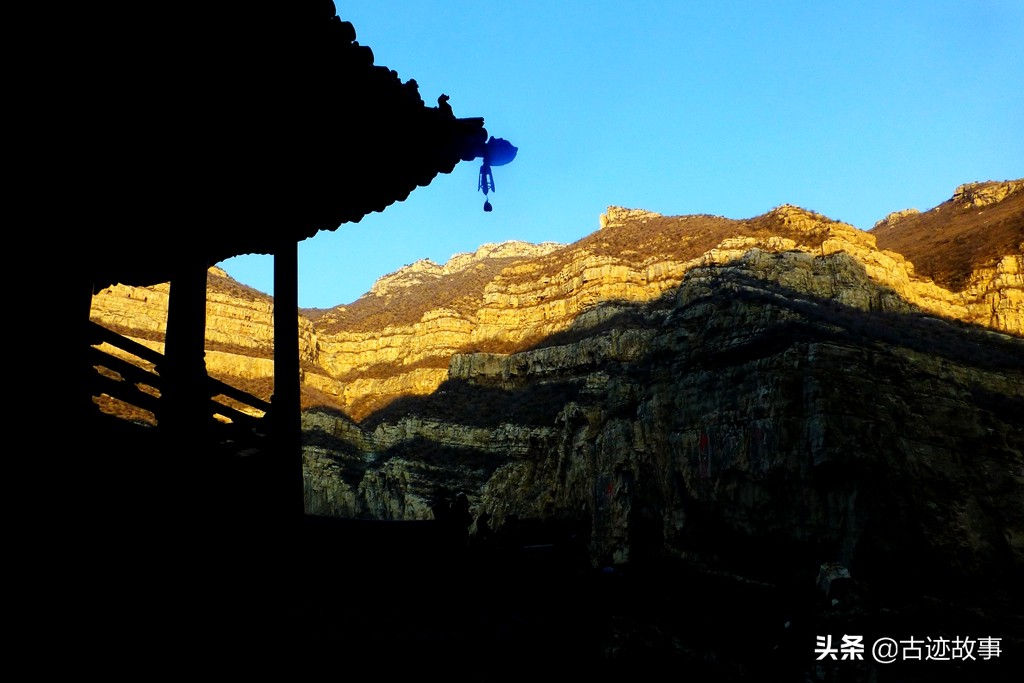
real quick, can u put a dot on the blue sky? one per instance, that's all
(851, 109)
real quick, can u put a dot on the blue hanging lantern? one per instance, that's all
(497, 152)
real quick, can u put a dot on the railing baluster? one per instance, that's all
(133, 375)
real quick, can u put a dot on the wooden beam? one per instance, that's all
(183, 371)
(286, 402)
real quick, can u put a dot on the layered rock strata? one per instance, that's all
(529, 299)
(771, 398)
(691, 387)
(789, 394)
(398, 339)
(755, 398)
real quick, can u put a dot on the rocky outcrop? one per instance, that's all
(791, 394)
(531, 299)
(399, 338)
(141, 311)
(986, 193)
(895, 217)
(774, 397)
(426, 270)
(757, 400)
(617, 215)
(962, 240)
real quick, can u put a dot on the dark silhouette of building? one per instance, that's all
(200, 132)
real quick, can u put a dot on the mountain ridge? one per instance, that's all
(400, 336)
(978, 225)
(775, 402)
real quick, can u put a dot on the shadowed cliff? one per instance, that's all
(663, 433)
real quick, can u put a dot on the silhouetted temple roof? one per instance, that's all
(228, 130)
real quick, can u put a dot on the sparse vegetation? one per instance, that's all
(950, 241)
(678, 238)
(946, 250)
(233, 288)
(460, 291)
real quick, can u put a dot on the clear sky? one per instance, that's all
(851, 109)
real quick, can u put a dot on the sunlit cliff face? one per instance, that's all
(399, 338)
(665, 381)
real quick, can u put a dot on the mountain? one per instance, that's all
(772, 400)
(664, 365)
(398, 338)
(974, 229)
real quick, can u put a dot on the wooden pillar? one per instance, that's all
(287, 424)
(185, 396)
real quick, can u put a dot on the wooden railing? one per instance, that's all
(136, 382)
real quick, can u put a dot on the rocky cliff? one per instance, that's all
(398, 338)
(669, 382)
